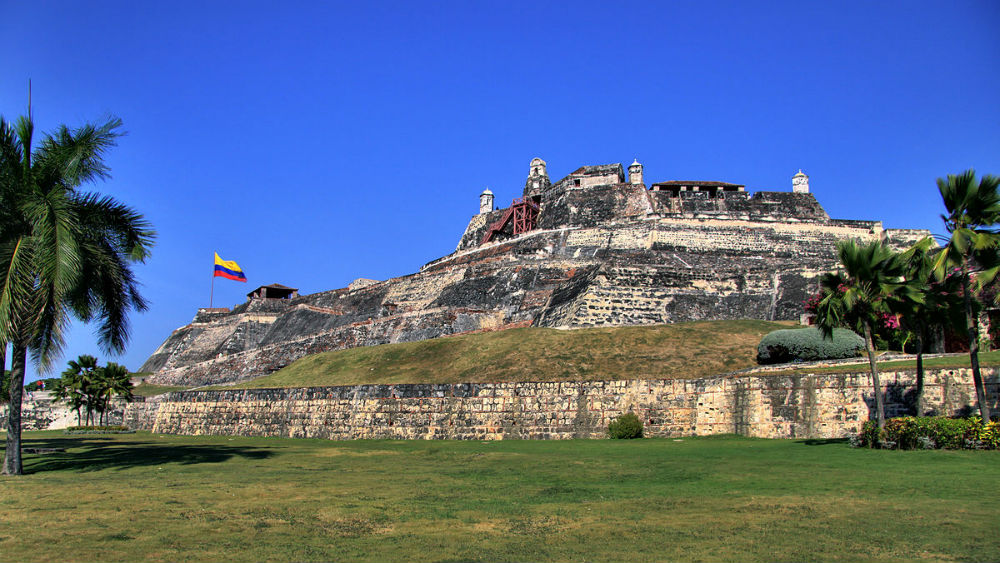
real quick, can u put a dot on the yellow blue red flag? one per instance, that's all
(228, 269)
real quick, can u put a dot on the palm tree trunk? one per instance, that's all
(876, 383)
(12, 458)
(920, 375)
(973, 323)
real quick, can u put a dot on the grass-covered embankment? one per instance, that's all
(149, 389)
(144, 497)
(682, 350)
(952, 361)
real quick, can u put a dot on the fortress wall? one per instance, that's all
(797, 240)
(405, 327)
(40, 412)
(801, 406)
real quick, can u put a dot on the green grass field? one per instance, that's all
(146, 497)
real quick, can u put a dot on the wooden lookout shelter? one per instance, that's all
(273, 291)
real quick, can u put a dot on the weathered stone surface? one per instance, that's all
(604, 252)
(40, 412)
(801, 406)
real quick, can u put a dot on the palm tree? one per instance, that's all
(858, 297)
(79, 385)
(4, 390)
(63, 252)
(940, 307)
(113, 381)
(973, 213)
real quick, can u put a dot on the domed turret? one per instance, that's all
(800, 183)
(486, 201)
(538, 178)
(635, 173)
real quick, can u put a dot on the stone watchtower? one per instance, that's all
(635, 173)
(800, 183)
(538, 178)
(486, 201)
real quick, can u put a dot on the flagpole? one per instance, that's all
(211, 294)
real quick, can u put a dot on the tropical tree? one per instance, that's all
(64, 252)
(79, 385)
(113, 381)
(940, 308)
(973, 213)
(858, 297)
(4, 376)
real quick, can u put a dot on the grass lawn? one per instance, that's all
(147, 497)
(148, 389)
(986, 359)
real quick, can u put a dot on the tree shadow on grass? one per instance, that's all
(824, 441)
(93, 454)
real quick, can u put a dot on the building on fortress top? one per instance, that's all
(592, 195)
(273, 291)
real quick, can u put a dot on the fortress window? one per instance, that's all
(576, 182)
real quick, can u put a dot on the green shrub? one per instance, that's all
(625, 427)
(808, 344)
(932, 432)
(114, 429)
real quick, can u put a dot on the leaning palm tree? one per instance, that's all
(858, 297)
(973, 214)
(63, 252)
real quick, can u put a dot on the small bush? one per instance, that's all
(808, 344)
(115, 429)
(625, 427)
(932, 432)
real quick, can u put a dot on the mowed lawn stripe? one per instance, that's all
(148, 497)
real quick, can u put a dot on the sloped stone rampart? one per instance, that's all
(800, 406)
(603, 253)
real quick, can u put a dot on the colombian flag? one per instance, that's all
(228, 269)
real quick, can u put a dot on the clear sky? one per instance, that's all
(315, 143)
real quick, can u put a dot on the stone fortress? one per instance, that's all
(596, 248)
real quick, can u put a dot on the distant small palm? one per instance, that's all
(113, 381)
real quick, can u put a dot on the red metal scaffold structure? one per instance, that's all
(523, 211)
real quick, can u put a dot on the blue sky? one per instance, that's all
(315, 143)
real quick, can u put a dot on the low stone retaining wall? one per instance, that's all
(801, 406)
(39, 411)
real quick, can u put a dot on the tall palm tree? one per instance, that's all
(858, 297)
(63, 252)
(940, 308)
(973, 214)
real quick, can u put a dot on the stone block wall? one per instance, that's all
(41, 412)
(800, 406)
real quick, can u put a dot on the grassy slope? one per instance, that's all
(148, 389)
(956, 361)
(681, 350)
(144, 497)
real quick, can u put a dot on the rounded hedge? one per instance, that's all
(625, 427)
(808, 344)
